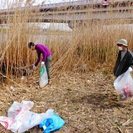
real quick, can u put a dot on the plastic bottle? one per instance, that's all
(43, 81)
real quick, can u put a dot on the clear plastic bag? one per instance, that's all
(124, 83)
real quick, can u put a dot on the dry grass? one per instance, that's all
(88, 103)
(83, 59)
(85, 47)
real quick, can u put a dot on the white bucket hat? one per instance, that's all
(123, 42)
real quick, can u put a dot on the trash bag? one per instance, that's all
(124, 83)
(26, 121)
(43, 81)
(16, 107)
(20, 119)
(52, 123)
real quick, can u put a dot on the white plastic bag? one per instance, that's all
(43, 81)
(26, 121)
(20, 119)
(16, 107)
(124, 83)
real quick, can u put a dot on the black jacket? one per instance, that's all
(122, 66)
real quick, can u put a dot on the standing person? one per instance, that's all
(44, 51)
(124, 59)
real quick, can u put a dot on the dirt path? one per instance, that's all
(88, 103)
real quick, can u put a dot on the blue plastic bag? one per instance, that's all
(53, 123)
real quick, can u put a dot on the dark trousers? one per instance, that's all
(47, 64)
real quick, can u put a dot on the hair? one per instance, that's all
(30, 44)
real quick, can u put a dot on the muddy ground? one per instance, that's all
(87, 102)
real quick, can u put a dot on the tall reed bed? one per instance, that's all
(13, 49)
(87, 47)
(90, 48)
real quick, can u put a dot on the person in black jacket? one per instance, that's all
(124, 58)
(123, 62)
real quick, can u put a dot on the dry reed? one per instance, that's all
(86, 47)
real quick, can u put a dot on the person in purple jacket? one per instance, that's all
(44, 51)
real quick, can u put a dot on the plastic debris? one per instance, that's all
(52, 123)
(20, 118)
(124, 84)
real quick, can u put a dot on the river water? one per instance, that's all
(65, 32)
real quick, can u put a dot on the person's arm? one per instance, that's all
(43, 52)
(44, 56)
(131, 59)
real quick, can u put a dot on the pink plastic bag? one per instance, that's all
(6, 122)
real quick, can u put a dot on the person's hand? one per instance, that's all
(33, 67)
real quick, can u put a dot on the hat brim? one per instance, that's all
(122, 44)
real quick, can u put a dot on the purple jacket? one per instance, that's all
(44, 50)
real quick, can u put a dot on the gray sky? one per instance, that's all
(54, 1)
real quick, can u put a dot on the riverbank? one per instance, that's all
(87, 102)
